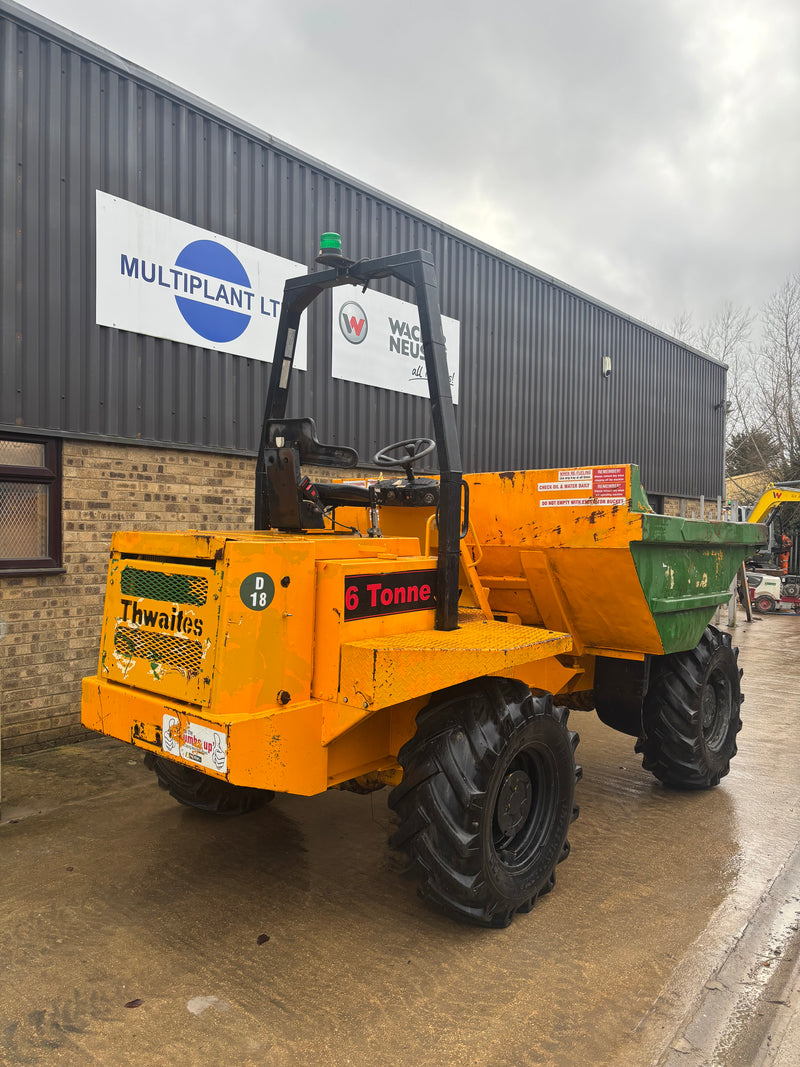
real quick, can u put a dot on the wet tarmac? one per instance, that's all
(135, 931)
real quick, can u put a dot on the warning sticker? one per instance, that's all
(585, 501)
(574, 474)
(559, 487)
(609, 482)
(568, 480)
(604, 485)
(195, 743)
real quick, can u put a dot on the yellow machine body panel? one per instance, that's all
(556, 550)
(164, 635)
(386, 670)
(348, 599)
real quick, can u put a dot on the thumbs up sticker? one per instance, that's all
(194, 743)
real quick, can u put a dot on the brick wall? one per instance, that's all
(690, 509)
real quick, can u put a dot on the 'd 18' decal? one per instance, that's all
(256, 591)
(367, 595)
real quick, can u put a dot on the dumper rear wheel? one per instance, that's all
(487, 798)
(691, 714)
(201, 791)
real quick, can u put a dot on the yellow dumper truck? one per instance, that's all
(425, 631)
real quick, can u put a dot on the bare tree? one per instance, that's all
(728, 336)
(683, 328)
(762, 429)
(778, 374)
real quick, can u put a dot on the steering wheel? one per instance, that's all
(416, 449)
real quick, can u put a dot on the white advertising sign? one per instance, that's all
(376, 341)
(165, 278)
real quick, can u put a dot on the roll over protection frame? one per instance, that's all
(415, 268)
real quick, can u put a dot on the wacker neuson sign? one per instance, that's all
(376, 341)
(165, 278)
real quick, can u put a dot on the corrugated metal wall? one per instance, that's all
(75, 119)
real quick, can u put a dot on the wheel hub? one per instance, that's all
(709, 709)
(514, 802)
(715, 709)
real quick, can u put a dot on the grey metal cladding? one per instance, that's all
(75, 119)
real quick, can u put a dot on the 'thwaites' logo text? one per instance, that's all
(176, 622)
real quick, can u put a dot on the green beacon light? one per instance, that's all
(330, 250)
(330, 242)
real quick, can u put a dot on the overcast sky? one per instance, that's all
(644, 151)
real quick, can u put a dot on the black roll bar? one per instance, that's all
(416, 268)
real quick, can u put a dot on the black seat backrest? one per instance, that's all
(285, 506)
(291, 443)
(301, 435)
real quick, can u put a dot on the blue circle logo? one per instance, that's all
(210, 306)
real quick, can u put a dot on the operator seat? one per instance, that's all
(294, 502)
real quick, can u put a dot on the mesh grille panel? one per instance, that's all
(157, 585)
(23, 520)
(21, 454)
(182, 654)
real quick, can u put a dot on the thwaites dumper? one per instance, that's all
(426, 632)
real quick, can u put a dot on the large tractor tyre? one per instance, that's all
(201, 791)
(691, 714)
(487, 798)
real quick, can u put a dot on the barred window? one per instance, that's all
(30, 504)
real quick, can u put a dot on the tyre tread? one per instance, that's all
(672, 745)
(440, 801)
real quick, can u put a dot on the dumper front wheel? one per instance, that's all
(202, 791)
(487, 798)
(691, 714)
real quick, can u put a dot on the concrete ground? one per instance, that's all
(135, 931)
